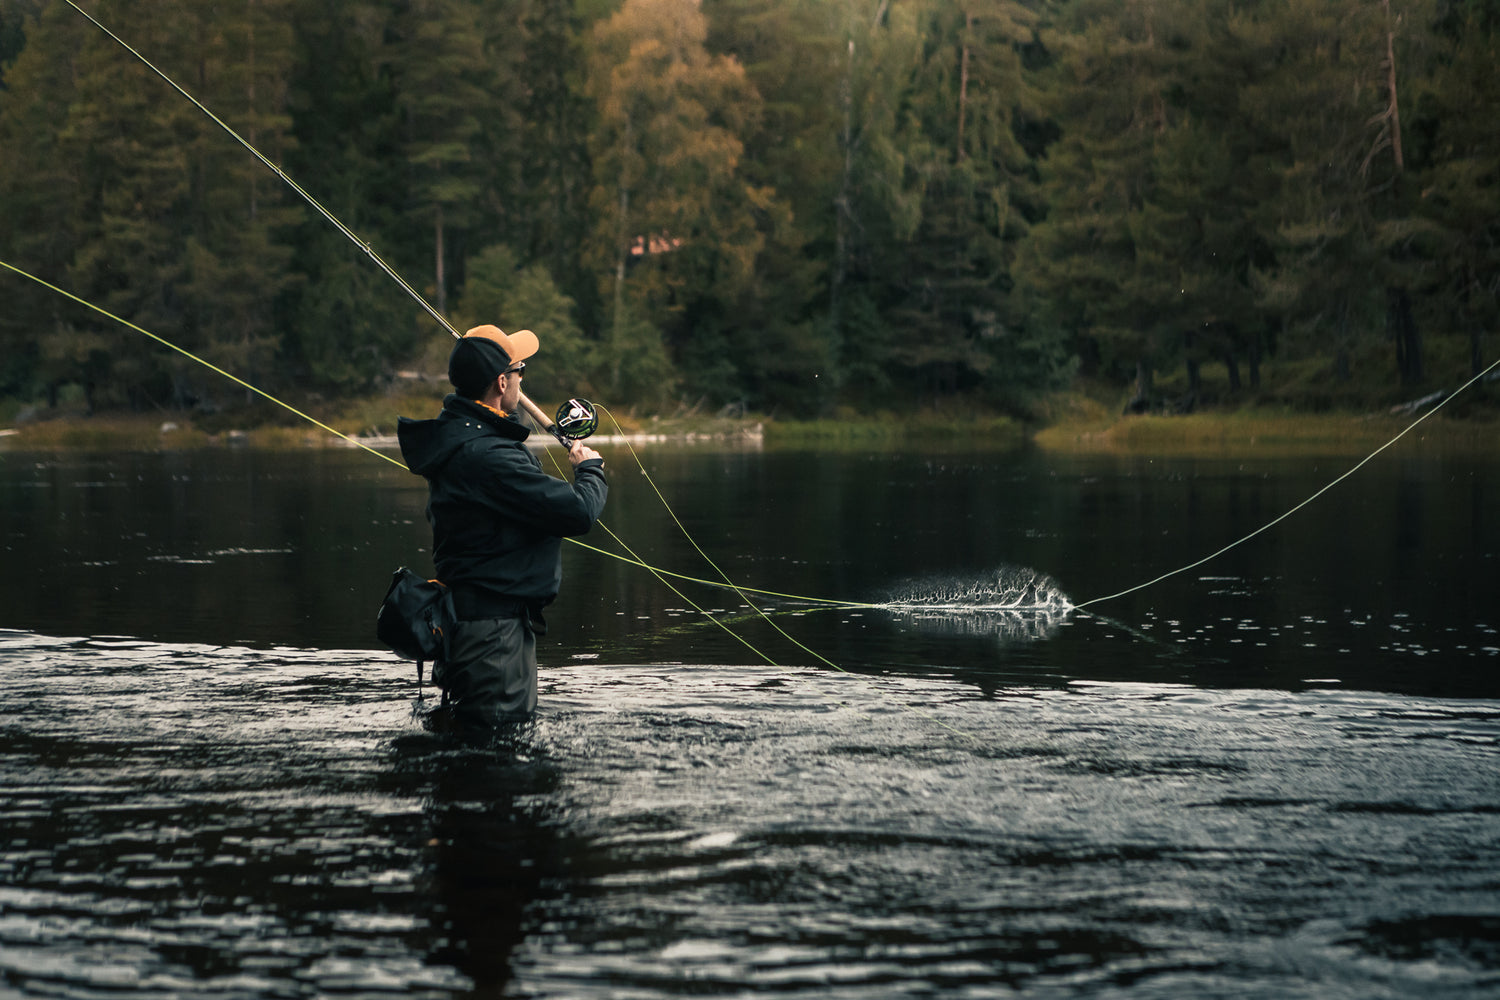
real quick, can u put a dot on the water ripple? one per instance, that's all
(193, 820)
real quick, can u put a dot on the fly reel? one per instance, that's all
(576, 419)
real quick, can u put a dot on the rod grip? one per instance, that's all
(542, 419)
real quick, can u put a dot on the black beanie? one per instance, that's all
(474, 364)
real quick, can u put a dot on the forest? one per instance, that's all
(798, 207)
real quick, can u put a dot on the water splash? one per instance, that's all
(1011, 604)
(1009, 588)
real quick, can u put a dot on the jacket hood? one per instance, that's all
(428, 444)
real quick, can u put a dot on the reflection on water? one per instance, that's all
(493, 846)
(1004, 625)
(1276, 776)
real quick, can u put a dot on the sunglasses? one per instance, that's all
(515, 369)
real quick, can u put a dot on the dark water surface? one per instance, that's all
(1272, 776)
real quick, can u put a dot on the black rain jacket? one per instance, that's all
(497, 519)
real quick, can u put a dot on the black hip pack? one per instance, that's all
(416, 618)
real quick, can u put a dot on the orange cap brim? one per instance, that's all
(517, 346)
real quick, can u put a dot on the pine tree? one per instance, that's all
(15, 16)
(131, 205)
(349, 323)
(877, 201)
(1211, 176)
(499, 289)
(954, 275)
(1335, 229)
(551, 140)
(771, 346)
(167, 222)
(676, 222)
(236, 255)
(36, 199)
(1461, 192)
(445, 89)
(1107, 90)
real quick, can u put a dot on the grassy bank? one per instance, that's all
(1250, 433)
(259, 424)
(1302, 408)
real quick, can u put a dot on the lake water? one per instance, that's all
(1272, 776)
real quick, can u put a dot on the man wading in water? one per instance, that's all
(497, 523)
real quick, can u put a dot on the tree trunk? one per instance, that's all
(622, 252)
(1194, 366)
(963, 84)
(1143, 384)
(1341, 353)
(1395, 109)
(250, 62)
(842, 208)
(1232, 366)
(1408, 338)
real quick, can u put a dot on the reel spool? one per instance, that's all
(576, 419)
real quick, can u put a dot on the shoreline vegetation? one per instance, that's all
(1088, 419)
(802, 209)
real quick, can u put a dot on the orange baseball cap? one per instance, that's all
(517, 346)
(483, 353)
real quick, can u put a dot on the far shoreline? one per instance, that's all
(1243, 433)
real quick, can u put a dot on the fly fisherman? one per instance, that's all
(497, 523)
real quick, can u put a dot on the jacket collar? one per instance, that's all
(507, 426)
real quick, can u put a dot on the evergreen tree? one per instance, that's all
(499, 290)
(236, 264)
(1461, 189)
(349, 323)
(1211, 174)
(1333, 224)
(37, 184)
(14, 18)
(676, 221)
(552, 159)
(771, 347)
(877, 200)
(161, 217)
(1086, 265)
(444, 92)
(789, 204)
(952, 279)
(131, 203)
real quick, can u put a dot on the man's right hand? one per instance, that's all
(579, 452)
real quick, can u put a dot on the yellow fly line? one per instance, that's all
(632, 559)
(662, 575)
(820, 601)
